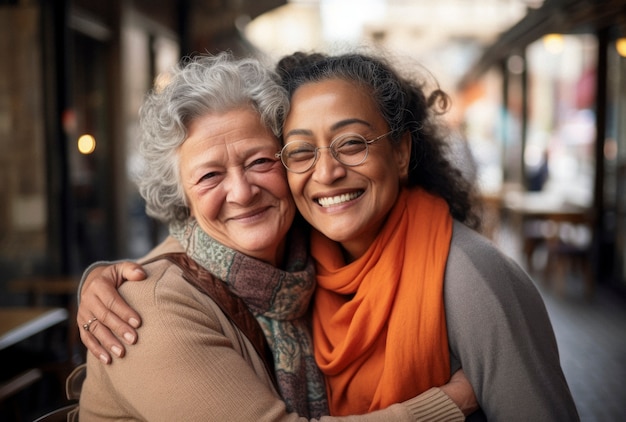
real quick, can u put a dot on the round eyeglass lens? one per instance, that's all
(350, 150)
(298, 156)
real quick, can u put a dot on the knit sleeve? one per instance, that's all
(434, 405)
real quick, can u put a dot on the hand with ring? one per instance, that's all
(100, 301)
(86, 326)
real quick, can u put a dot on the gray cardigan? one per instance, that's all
(500, 333)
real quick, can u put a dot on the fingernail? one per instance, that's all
(104, 358)
(139, 271)
(129, 338)
(133, 322)
(117, 351)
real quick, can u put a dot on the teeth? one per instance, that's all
(334, 200)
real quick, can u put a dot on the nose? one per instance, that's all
(239, 189)
(327, 169)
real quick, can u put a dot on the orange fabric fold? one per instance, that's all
(379, 323)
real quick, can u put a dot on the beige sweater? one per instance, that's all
(191, 363)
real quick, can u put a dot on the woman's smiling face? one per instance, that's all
(235, 187)
(347, 204)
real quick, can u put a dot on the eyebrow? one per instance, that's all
(336, 126)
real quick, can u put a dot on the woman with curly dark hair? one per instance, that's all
(407, 291)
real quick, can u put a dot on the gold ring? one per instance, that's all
(86, 326)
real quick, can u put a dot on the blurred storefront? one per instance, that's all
(545, 116)
(73, 76)
(545, 112)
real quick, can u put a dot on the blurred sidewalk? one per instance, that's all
(592, 343)
(591, 335)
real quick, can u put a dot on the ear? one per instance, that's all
(402, 154)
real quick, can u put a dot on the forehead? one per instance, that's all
(331, 101)
(226, 136)
(233, 126)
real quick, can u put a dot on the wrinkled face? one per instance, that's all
(235, 187)
(347, 204)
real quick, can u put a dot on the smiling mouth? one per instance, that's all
(330, 201)
(250, 215)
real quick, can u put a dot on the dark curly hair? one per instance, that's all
(405, 106)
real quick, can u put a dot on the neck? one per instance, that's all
(353, 250)
(279, 258)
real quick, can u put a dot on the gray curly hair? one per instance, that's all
(197, 86)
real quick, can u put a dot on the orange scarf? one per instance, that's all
(389, 342)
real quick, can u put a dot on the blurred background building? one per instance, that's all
(539, 104)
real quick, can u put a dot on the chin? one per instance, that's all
(334, 235)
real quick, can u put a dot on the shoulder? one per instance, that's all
(165, 286)
(469, 245)
(484, 287)
(168, 245)
(166, 299)
(475, 262)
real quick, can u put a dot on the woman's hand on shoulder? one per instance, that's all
(103, 316)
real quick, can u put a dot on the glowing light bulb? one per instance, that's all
(620, 46)
(86, 144)
(553, 43)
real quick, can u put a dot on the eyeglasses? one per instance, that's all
(350, 150)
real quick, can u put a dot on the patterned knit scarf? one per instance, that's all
(279, 299)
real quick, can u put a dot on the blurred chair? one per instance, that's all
(569, 254)
(73, 385)
(58, 415)
(18, 383)
(10, 388)
(567, 243)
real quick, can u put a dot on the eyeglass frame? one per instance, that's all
(316, 155)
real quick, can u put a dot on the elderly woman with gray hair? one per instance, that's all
(233, 278)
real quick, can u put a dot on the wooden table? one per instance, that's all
(19, 323)
(541, 205)
(542, 218)
(38, 287)
(546, 212)
(60, 288)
